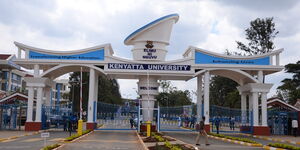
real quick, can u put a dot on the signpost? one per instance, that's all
(45, 135)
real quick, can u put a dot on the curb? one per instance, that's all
(195, 147)
(272, 148)
(66, 142)
(272, 139)
(18, 136)
(141, 141)
(236, 142)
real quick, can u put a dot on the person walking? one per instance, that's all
(131, 122)
(217, 124)
(202, 132)
(295, 127)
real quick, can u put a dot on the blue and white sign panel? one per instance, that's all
(201, 58)
(149, 67)
(92, 55)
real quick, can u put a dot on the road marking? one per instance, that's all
(32, 140)
(109, 141)
(56, 139)
(10, 140)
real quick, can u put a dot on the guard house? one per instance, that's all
(149, 49)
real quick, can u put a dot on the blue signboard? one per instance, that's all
(149, 67)
(93, 55)
(201, 58)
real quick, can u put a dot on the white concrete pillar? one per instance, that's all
(9, 80)
(19, 53)
(47, 96)
(244, 107)
(38, 112)
(250, 108)
(36, 70)
(30, 104)
(277, 59)
(206, 97)
(264, 109)
(91, 96)
(255, 108)
(260, 76)
(199, 98)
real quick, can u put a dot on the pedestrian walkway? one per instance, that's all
(107, 140)
(32, 142)
(190, 137)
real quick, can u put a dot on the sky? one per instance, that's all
(214, 25)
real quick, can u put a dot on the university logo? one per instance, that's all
(149, 44)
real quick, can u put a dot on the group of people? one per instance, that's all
(187, 121)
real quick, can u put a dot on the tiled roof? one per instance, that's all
(4, 56)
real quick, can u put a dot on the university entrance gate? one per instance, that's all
(148, 66)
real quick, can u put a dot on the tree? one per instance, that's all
(260, 35)
(171, 96)
(223, 92)
(290, 89)
(108, 90)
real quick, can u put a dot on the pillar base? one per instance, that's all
(207, 128)
(33, 126)
(91, 125)
(261, 130)
(245, 128)
(143, 128)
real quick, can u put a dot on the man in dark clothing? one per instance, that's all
(131, 122)
(202, 132)
(217, 124)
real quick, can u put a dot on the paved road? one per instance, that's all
(189, 137)
(32, 142)
(264, 142)
(107, 140)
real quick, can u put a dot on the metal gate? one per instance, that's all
(12, 116)
(57, 117)
(280, 122)
(231, 120)
(117, 117)
(181, 118)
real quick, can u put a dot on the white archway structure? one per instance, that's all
(149, 65)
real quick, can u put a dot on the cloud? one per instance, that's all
(212, 25)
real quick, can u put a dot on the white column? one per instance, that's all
(47, 96)
(277, 59)
(264, 109)
(30, 104)
(39, 97)
(243, 107)
(255, 108)
(206, 97)
(19, 53)
(199, 98)
(9, 80)
(91, 96)
(260, 76)
(36, 70)
(250, 108)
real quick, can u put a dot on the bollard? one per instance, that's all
(148, 128)
(79, 130)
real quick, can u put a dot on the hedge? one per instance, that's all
(74, 136)
(284, 146)
(233, 138)
(50, 147)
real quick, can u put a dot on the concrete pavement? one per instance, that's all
(190, 137)
(32, 142)
(107, 140)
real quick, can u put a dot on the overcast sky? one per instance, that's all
(214, 25)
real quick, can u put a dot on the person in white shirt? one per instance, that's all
(295, 127)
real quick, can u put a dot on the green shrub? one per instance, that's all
(50, 147)
(74, 136)
(284, 146)
(233, 138)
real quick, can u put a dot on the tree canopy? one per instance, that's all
(260, 35)
(290, 89)
(108, 90)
